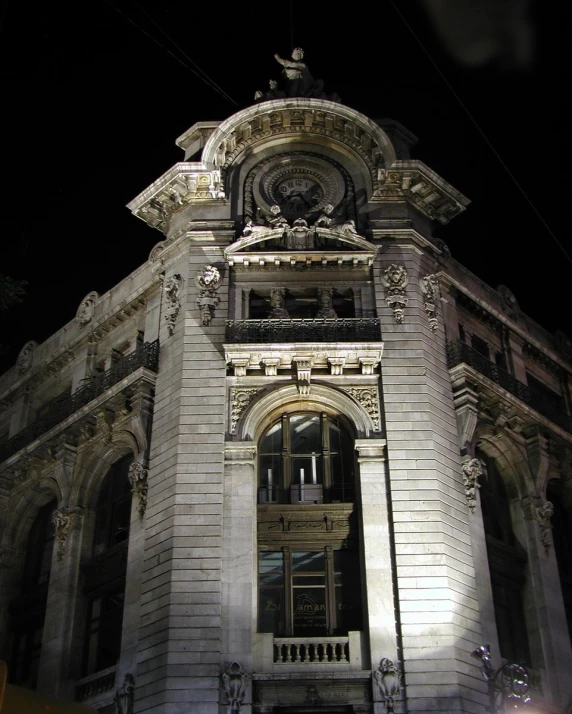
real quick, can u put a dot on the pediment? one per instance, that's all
(318, 245)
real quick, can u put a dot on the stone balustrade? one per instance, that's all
(326, 650)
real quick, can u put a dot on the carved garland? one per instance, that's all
(62, 524)
(542, 515)
(388, 679)
(235, 681)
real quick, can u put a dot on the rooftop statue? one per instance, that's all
(298, 81)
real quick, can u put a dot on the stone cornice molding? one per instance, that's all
(240, 452)
(371, 450)
(244, 358)
(416, 183)
(83, 419)
(511, 411)
(184, 183)
(449, 282)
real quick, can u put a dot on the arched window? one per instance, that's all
(306, 458)
(104, 574)
(562, 534)
(29, 608)
(507, 564)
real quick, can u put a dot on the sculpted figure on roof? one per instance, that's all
(298, 82)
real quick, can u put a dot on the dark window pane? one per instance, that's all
(308, 562)
(305, 434)
(272, 441)
(271, 592)
(347, 592)
(307, 470)
(310, 614)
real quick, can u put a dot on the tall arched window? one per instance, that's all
(562, 534)
(104, 574)
(306, 458)
(308, 561)
(507, 564)
(29, 608)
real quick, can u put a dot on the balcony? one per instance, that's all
(147, 355)
(361, 329)
(459, 352)
(344, 653)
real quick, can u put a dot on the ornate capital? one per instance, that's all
(235, 681)
(138, 480)
(388, 679)
(62, 524)
(172, 290)
(208, 281)
(430, 290)
(472, 469)
(395, 278)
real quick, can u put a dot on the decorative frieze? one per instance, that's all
(234, 682)
(472, 469)
(172, 291)
(368, 398)
(388, 680)
(395, 278)
(542, 515)
(208, 281)
(138, 480)
(62, 525)
(430, 290)
(240, 398)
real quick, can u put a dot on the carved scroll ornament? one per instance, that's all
(543, 514)
(138, 480)
(172, 291)
(62, 524)
(430, 290)
(472, 469)
(235, 681)
(395, 279)
(388, 679)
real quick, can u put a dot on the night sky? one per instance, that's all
(92, 107)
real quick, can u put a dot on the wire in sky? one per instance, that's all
(482, 133)
(195, 65)
(178, 59)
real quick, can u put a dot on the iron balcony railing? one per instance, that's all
(360, 329)
(146, 355)
(459, 352)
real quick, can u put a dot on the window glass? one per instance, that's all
(305, 434)
(271, 592)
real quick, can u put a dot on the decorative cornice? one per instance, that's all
(416, 183)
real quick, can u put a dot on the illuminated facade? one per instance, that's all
(301, 460)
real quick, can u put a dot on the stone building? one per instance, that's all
(301, 460)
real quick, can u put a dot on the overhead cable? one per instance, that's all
(483, 135)
(178, 59)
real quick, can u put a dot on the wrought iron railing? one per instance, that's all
(146, 355)
(359, 329)
(459, 352)
(94, 684)
(313, 650)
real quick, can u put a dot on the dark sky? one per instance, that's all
(92, 107)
